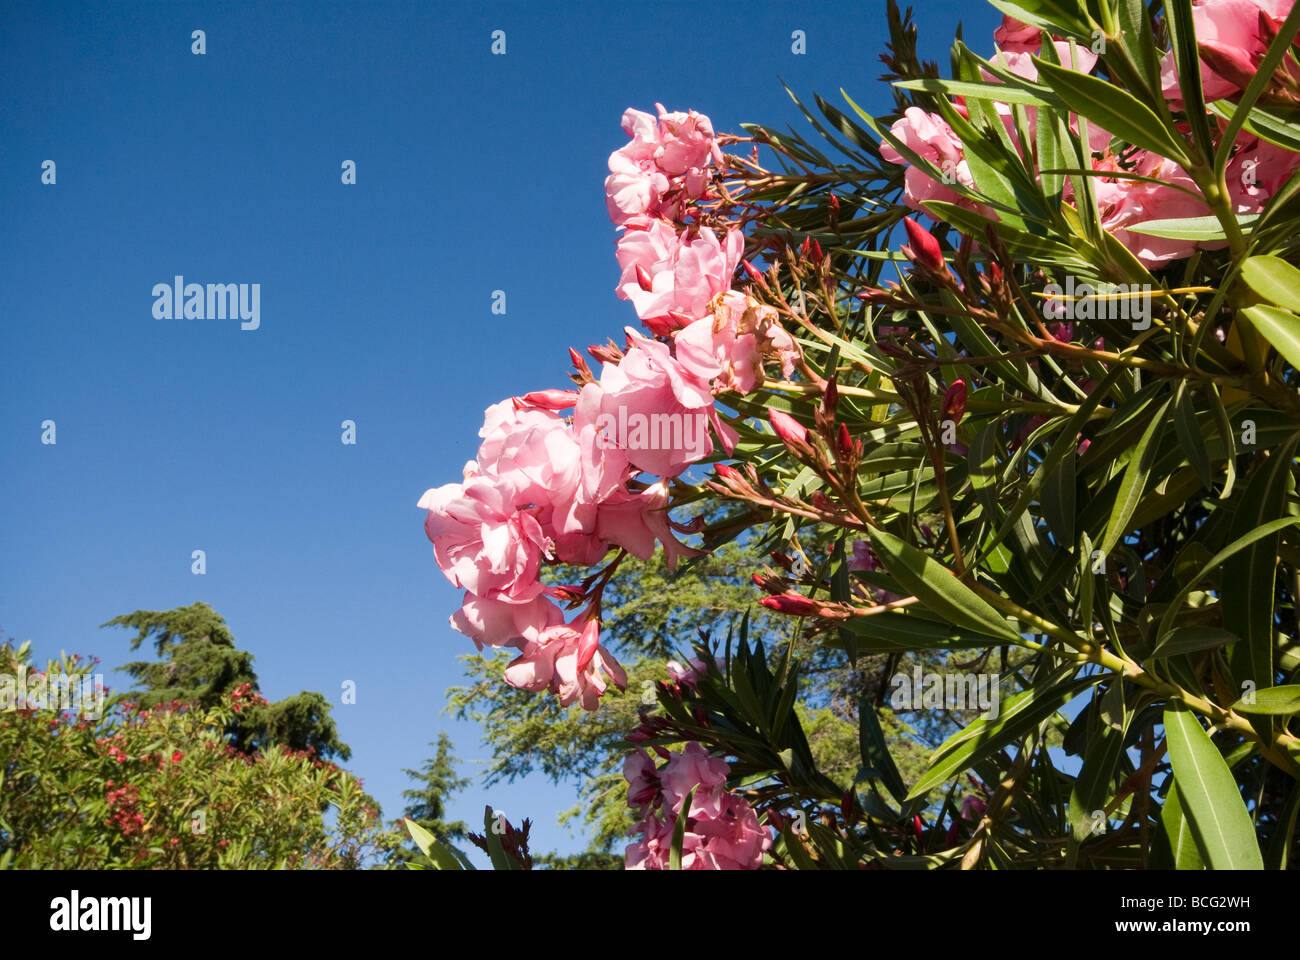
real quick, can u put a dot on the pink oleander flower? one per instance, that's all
(657, 410)
(688, 674)
(685, 271)
(929, 136)
(1257, 171)
(722, 830)
(1124, 202)
(1016, 37)
(730, 345)
(494, 623)
(571, 664)
(481, 542)
(1233, 36)
(694, 768)
(643, 787)
(666, 163)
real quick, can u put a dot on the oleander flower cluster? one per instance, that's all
(564, 476)
(1233, 36)
(722, 829)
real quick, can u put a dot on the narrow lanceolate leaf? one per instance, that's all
(1252, 573)
(1192, 640)
(1190, 436)
(1055, 16)
(1271, 701)
(679, 831)
(1284, 831)
(1017, 717)
(938, 589)
(1241, 543)
(1116, 110)
(1092, 787)
(1178, 831)
(876, 760)
(1134, 483)
(1209, 796)
(1279, 327)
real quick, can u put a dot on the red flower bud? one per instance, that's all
(588, 643)
(551, 399)
(726, 472)
(643, 279)
(844, 442)
(787, 427)
(790, 603)
(922, 248)
(831, 398)
(917, 826)
(954, 400)
(753, 273)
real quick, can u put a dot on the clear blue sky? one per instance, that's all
(474, 173)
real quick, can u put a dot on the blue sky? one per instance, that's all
(475, 173)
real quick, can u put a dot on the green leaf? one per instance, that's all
(1249, 605)
(1284, 831)
(999, 92)
(1272, 278)
(1017, 716)
(496, 853)
(938, 589)
(443, 859)
(1189, 228)
(1055, 16)
(679, 831)
(876, 760)
(1116, 110)
(1187, 61)
(1272, 701)
(1191, 436)
(1239, 544)
(1178, 832)
(1281, 328)
(1191, 640)
(1092, 787)
(1208, 793)
(900, 630)
(1134, 483)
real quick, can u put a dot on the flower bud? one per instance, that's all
(551, 399)
(922, 248)
(753, 272)
(831, 396)
(643, 279)
(843, 442)
(790, 603)
(790, 430)
(954, 401)
(588, 643)
(727, 473)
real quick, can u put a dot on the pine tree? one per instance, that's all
(199, 662)
(427, 805)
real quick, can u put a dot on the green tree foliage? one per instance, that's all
(163, 787)
(199, 664)
(651, 616)
(427, 806)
